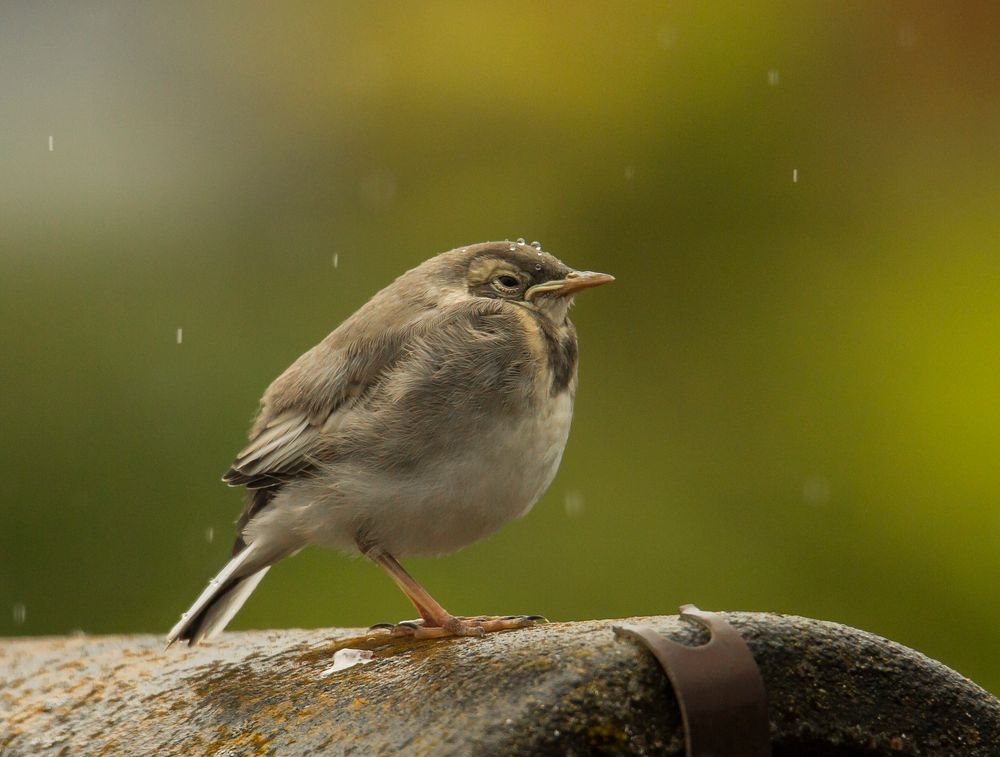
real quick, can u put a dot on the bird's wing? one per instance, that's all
(306, 402)
(455, 350)
(279, 450)
(311, 399)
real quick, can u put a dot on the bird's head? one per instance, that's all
(524, 275)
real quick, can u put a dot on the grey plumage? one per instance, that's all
(430, 417)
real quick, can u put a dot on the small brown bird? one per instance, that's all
(432, 416)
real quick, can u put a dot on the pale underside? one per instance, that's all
(454, 497)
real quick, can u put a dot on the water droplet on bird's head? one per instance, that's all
(538, 266)
(513, 247)
(520, 240)
(536, 244)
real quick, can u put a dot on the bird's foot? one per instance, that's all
(454, 626)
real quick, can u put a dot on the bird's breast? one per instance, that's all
(510, 466)
(545, 436)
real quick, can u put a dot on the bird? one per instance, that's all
(432, 416)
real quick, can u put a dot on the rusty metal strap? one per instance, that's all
(718, 686)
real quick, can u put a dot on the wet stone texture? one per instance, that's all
(561, 688)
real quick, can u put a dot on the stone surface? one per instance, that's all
(561, 688)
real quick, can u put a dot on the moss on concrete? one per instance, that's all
(557, 688)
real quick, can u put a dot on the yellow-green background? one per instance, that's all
(788, 400)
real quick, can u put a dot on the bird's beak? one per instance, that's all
(574, 282)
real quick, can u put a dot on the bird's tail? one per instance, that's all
(222, 598)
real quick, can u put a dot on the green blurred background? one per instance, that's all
(788, 400)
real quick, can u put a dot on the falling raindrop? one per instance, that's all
(51, 145)
(666, 36)
(629, 173)
(20, 614)
(816, 491)
(180, 335)
(336, 259)
(795, 176)
(573, 504)
(907, 36)
(209, 534)
(772, 77)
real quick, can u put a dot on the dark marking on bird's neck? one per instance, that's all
(560, 350)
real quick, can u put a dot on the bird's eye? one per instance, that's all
(507, 282)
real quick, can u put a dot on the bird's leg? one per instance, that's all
(436, 620)
(434, 614)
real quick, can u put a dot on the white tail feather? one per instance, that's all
(218, 615)
(217, 618)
